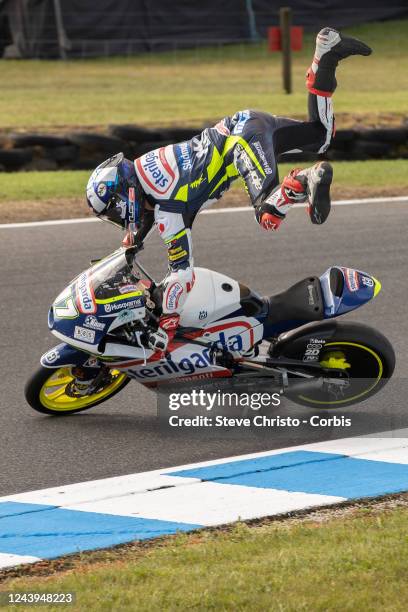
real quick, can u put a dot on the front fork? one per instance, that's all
(88, 371)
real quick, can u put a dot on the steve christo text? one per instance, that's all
(252, 401)
(258, 420)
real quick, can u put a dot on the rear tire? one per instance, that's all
(365, 354)
(62, 405)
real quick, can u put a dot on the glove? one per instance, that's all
(160, 339)
(129, 239)
(268, 217)
(270, 222)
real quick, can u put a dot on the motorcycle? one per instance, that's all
(291, 341)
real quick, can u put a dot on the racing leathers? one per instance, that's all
(180, 180)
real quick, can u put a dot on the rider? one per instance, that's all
(170, 185)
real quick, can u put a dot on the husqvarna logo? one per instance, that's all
(116, 306)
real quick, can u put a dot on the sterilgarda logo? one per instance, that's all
(156, 171)
(187, 365)
(173, 295)
(151, 165)
(86, 302)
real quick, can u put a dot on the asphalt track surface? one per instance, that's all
(122, 435)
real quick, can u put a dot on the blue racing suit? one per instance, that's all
(180, 180)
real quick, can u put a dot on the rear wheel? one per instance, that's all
(362, 361)
(48, 391)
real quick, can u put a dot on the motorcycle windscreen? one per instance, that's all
(114, 278)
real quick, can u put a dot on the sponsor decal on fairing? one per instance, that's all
(86, 301)
(85, 335)
(93, 323)
(313, 349)
(187, 365)
(311, 297)
(367, 281)
(351, 277)
(127, 289)
(52, 356)
(117, 306)
(196, 363)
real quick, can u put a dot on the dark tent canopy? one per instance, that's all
(84, 28)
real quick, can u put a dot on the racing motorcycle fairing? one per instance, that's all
(189, 359)
(213, 296)
(183, 363)
(345, 289)
(219, 315)
(337, 291)
(101, 299)
(64, 355)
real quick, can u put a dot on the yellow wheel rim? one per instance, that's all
(336, 358)
(53, 392)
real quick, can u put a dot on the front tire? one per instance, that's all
(362, 354)
(46, 391)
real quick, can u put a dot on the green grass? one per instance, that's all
(343, 564)
(192, 86)
(23, 186)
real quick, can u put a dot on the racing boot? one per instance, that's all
(310, 185)
(316, 181)
(331, 47)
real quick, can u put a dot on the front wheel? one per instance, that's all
(362, 361)
(47, 391)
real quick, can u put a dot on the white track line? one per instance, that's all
(215, 211)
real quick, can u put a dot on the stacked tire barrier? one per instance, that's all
(85, 150)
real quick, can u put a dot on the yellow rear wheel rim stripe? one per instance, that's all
(355, 397)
